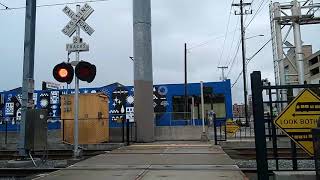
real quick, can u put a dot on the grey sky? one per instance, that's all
(174, 22)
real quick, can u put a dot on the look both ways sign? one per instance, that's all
(299, 118)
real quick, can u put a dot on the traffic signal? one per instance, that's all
(63, 72)
(85, 71)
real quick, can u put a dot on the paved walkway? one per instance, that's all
(156, 161)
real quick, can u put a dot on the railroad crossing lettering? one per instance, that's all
(78, 20)
(77, 47)
(299, 117)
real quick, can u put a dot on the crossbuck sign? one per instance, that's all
(78, 20)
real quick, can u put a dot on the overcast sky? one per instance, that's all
(202, 24)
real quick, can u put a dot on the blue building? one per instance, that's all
(169, 103)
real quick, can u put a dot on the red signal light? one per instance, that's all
(85, 71)
(63, 72)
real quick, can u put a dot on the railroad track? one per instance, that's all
(57, 154)
(250, 153)
(24, 172)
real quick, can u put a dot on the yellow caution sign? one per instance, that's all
(299, 117)
(231, 127)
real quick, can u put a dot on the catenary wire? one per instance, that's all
(4, 5)
(248, 61)
(232, 43)
(226, 34)
(56, 4)
(261, 6)
(235, 57)
(203, 43)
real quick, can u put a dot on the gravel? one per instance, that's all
(42, 164)
(283, 164)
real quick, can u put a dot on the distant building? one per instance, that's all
(238, 110)
(169, 104)
(290, 66)
(312, 65)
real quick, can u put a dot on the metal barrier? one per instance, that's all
(220, 130)
(264, 127)
(8, 133)
(316, 145)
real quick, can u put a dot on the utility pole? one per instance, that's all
(244, 68)
(185, 82)
(222, 71)
(143, 78)
(28, 73)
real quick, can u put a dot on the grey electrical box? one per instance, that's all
(36, 129)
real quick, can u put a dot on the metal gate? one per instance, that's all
(266, 97)
(220, 130)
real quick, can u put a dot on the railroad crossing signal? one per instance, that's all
(78, 20)
(299, 118)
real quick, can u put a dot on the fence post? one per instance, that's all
(6, 138)
(215, 129)
(294, 155)
(63, 134)
(128, 140)
(259, 126)
(123, 129)
(225, 130)
(274, 131)
(316, 147)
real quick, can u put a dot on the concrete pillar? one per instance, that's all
(296, 13)
(143, 77)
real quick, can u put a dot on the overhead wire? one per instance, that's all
(235, 57)
(232, 42)
(4, 5)
(249, 59)
(226, 34)
(203, 43)
(260, 7)
(55, 4)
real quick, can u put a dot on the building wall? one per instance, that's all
(120, 104)
(290, 71)
(312, 67)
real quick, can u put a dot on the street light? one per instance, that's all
(245, 78)
(260, 35)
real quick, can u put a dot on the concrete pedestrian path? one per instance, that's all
(156, 161)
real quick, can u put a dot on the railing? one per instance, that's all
(220, 130)
(8, 132)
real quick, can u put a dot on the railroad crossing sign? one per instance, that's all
(299, 118)
(78, 20)
(231, 128)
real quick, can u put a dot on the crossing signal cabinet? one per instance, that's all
(93, 118)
